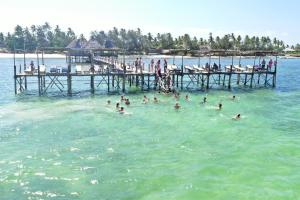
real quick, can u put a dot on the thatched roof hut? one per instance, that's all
(92, 44)
(77, 44)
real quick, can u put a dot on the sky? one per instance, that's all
(274, 18)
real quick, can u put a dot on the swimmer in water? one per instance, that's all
(233, 98)
(177, 106)
(187, 97)
(237, 117)
(108, 102)
(219, 106)
(122, 98)
(204, 100)
(117, 105)
(155, 100)
(122, 111)
(127, 102)
(145, 101)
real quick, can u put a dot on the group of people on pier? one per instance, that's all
(269, 65)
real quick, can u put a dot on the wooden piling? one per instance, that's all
(252, 74)
(39, 74)
(69, 80)
(181, 82)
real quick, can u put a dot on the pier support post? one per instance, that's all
(181, 73)
(39, 74)
(252, 75)
(229, 80)
(274, 74)
(108, 84)
(15, 77)
(245, 81)
(124, 75)
(92, 83)
(69, 80)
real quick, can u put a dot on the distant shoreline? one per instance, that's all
(60, 56)
(31, 55)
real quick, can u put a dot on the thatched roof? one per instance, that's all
(77, 44)
(92, 44)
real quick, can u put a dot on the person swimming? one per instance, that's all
(155, 100)
(127, 102)
(117, 105)
(220, 106)
(122, 98)
(177, 106)
(233, 98)
(145, 99)
(204, 100)
(108, 102)
(237, 117)
(187, 97)
(122, 111)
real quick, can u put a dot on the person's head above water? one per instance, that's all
(108, 101)
(117, 105)
(220, 106)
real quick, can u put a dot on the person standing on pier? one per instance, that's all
(165, 65)
(151, 65)
(158, 69)
(32, 66)
(136, 64)
(263, 64)
(270, 63)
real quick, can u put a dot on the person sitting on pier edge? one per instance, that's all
(165, 65)
(177, 106)
(263, 64)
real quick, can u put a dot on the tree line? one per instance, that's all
(37, 36)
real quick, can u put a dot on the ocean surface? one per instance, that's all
(61, 148)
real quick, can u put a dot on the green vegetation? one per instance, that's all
(132, 40)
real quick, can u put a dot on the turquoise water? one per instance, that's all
(81, 148)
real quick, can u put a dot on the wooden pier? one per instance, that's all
(110, 73)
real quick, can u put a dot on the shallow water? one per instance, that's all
(81, 148)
